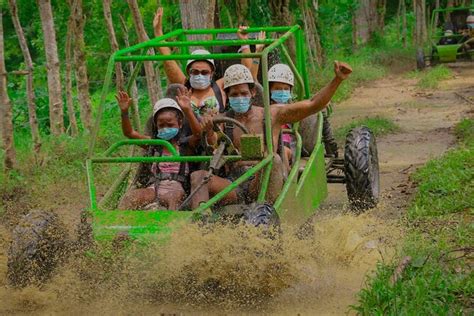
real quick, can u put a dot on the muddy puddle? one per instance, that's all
(219, 270)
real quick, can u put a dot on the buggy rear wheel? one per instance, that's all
(361, 167)
(261, 215)
(420, 60)
(39, 243)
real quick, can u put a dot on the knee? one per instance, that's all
(197, 176)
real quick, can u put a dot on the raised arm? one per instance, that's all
(244, 49)
(124, 102)
(295, 112)
(172, 69)
(184, 100)
(256, 61)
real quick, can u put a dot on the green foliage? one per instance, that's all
(425, 288)
(431, 78)
(445, 184)
(465, 132)
(378, 125)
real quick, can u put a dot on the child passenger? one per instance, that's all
(170, 178)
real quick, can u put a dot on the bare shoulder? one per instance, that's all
(220, 83)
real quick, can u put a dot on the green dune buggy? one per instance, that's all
(302, 193)
(447, 48)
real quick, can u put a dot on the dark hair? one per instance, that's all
(172, 90)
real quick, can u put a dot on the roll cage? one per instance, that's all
(137, 54)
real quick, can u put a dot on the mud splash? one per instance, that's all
(219, 269)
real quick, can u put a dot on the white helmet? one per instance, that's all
(201, 52)
(281, 73)
(470, 18)
(237, 74)
(166, 103)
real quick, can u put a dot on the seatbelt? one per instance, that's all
(218, 94)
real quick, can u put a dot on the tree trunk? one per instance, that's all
(367, 20)
(242, 9)
(198, 14)
(420, 23)
(52, 65)
(134, 88)
(355, 31)
(152, 80)
(424, 32)
(312, 35)
(436, 21)
(399, 10)
(6, 107)
(281, 16)
(69, 100)
(33, 120)
(113, 43)
(381, 10)
(404, 24)
(82, 79)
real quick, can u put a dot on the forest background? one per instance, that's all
(54, 55)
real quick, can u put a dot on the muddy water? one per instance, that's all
(219, 270)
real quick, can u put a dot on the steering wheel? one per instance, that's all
(222, 137)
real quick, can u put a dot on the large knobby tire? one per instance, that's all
(308, 131)
(261, 215)
(39, 243)
(420, 59)
(330, 144)
(361, 169)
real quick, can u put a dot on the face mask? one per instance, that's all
(167, 133)
(281, 96)
(470, 26)
(239, 104)
(200, 82)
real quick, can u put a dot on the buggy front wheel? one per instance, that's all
(361, 167)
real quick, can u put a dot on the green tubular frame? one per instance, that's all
(447, 53)
(265, 164)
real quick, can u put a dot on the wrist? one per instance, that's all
(243, 47)
(338, 79)
(124, 114)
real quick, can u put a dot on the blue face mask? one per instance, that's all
(470, 26)
(167, 133)
(200, 82)
(239, 104)
(281, 96)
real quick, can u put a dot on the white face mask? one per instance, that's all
(200, 82)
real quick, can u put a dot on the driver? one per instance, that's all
(469, 33)
(239, 88)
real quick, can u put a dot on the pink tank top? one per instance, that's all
(168, 167)
(286, 137)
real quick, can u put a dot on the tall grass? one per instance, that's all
(432, 77)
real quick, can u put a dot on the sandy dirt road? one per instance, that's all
(317, 276)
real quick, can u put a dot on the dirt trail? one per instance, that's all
(426, 119)
(317, 276)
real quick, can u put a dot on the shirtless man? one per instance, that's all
(239, 88)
